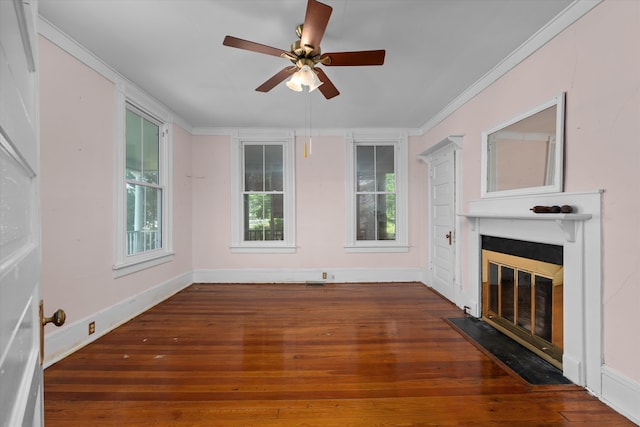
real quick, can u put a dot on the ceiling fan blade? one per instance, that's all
(315, 22)
(252, 46)
(327, 88)
(365, 57)
(276, 79)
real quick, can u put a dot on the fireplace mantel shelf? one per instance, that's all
(566, 222)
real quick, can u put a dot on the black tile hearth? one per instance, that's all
(529, 366)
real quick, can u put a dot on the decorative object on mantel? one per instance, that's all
(552, 209)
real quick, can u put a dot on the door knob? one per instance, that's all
(448, 236)
(57, 319)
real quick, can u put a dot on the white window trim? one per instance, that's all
(126, 264)
(400, 142)
(238, 244)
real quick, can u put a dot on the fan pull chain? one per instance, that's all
(307, 127)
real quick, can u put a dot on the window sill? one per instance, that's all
(376, 248)
(263, 249)
(131, 267)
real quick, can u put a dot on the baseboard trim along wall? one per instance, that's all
(621, 393)
(333, 275)
(72, 337)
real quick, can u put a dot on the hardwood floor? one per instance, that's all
(296, 355)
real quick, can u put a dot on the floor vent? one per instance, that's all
(315, 283)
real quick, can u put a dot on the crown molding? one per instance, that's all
(562, 21)
(225, 131)
(88, 58)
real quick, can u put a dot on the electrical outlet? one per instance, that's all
(324, 275)
(92, 328)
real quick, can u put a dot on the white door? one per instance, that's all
(20, 370)
(442, 221)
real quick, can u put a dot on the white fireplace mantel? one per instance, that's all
(568, 223)
(579, 233)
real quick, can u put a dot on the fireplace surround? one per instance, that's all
(579, 235)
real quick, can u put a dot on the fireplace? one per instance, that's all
(522, 293)
(578, 235)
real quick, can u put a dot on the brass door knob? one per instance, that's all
(57, 319)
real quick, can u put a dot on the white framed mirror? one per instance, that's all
(525, 154)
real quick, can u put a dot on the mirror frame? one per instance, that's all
(556, 186)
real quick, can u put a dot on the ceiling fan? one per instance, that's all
(305, 54)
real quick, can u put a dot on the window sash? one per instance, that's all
(144, 194)
(263, 195)
(264, 216)
(375, 188)
(144, 218)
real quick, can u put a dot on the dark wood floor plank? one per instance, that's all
(293, 355)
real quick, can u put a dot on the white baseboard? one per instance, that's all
(426, 276)
(64, 341)
(334, 275)
(621, 393)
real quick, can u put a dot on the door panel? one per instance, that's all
(20, 370)
(442, 221)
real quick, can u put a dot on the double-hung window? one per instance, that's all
(144, 189)
(143, 238)
(376, 193)
(263, 217)
(263, 192)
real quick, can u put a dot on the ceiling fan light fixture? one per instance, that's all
(294, 83)
(305, 76)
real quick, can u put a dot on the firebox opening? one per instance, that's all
(522, 294)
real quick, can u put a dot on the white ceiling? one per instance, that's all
(172, 49)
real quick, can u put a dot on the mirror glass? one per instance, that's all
(525, 154)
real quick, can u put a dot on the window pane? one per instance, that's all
(385, 177)
(134, 146)
(144, 222)
(366, 217)
(365, 171)
(273, 164)
(386, 213)
(253, 168)
(264, 217)
(151, 145)
(143, 147)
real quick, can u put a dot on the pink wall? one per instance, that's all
(320, 212)
(77, 185)
(597, 63)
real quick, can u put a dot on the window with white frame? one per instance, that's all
(144, 188)
(376, 193)
(143, 237)
(263, 215)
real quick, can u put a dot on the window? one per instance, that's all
(263, 192)
(143, 235)
(376, 194)
(144, 192)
